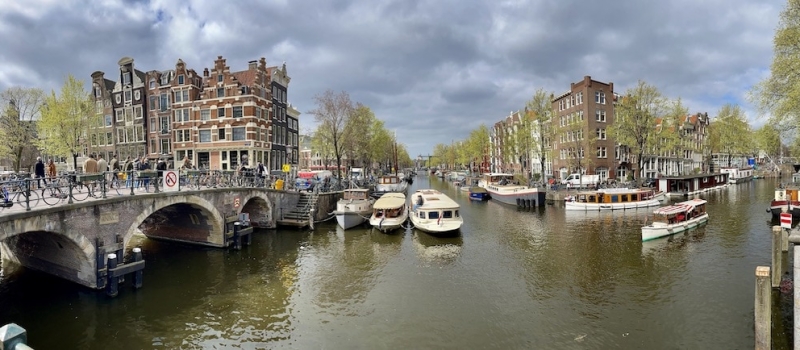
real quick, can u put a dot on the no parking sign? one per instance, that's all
(170, 182)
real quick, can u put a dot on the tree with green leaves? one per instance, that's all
(358, 135)
(332, 114)
(779, 94)
(669, 140)
(635, 118)
(767, 139)
(732, 134)
(22, 106)
(540, 114)
(65, 119)
(477, 145)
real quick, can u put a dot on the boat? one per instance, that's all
(676, 218)
(738, 175)
(502, 187)
(354, 208)
(615, 199)
(390, 183)
(389, 212)
(689, 185)
(434, 212)
(477, 193)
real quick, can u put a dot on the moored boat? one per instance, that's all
(389, 212)
(689, 185)
(434, 212)
(738, 175)
(676, 218)
(390, 183)
(787, 199)
(502, 187)
(354, 208)
(477, 193)
(615, 199)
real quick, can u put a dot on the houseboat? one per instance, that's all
(615, 199)
(389, 212)
(738, 175)
(390, 183)
(689, 185)
(787, 199)
(354, 208)
(676, 218)
(434, 212)
(502, 187)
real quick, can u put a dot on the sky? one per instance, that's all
(432, 70)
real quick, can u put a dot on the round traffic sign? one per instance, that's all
(170, 179)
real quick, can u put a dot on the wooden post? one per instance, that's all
(785, 240)
(112, 287)
(137, 276)
(795, 239)
(777, 255)
(763, 309)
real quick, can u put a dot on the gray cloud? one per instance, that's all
(432, 70)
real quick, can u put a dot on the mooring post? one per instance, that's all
(248, 238)
(237, 238)
(785, 239)
(794, 238)
(112, 287)
(13, 337)
(311, 218)
(777, 255)
(763, 309)
(137, 276)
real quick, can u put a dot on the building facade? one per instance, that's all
(281, 152)
(102, 135)
(582, 144)
(129, 106)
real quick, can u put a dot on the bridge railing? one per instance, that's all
(24, 191)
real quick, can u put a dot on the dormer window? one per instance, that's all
(152, 83)
(219, 78)
(126, 78)
(180, 79)
(165, 79)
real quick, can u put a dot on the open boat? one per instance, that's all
(434, 212)
(676, 218)
(354, 208)
(615, 199)
(389, 212)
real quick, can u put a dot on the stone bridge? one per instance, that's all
(71, 241)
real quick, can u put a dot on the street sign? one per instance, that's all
(170, 182)
(286, 168)
(786, 220)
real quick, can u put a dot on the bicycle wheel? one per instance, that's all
(80, 193)
(28, 198)
(52, 195)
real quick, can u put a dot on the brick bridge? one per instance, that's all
(71, 241)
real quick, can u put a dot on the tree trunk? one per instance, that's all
(75, 162)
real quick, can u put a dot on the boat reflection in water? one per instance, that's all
(437, 248)
(683, 242)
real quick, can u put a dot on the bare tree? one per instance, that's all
(332, 114)
(22, 106)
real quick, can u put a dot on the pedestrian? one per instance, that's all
(129, 166)
(38, 171)
(51, 169)
(90, 165)
(102, 165)
(114, 166)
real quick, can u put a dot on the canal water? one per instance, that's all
(514, 278)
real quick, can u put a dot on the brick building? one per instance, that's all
(102, 134)
(129, 105)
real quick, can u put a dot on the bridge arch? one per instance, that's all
(259, 206)
(66, 254)
(186, 218)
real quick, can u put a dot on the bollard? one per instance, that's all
(28, 195)
(248, 239)
(137, 276)
(13, 337)
(785, 240)
(237, 239)
(763, 309)
(777, 256)
(795, 239)
(112, 287)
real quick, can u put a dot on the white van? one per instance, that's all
(356, 174)
(578, 180)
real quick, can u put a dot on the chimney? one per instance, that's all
(251, 65)
(205, 72)
(588, 80)
(263, 63)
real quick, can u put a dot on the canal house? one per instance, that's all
(687, 185)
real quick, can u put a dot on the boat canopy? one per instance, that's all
(681, 207)
(390, 201)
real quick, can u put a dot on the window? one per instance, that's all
(164, 102)
(110, 138)
(182, 96)
(128, 115)
(600, 97)
(164, 124)
(238, 134)
(118, 98)
(600, 115)
(137, 112)
(152, 84)
(205, 135)
(153, 101)
(126, 78)
(182, 115)
(221, 112)
(152, 145)
(258, 112)
(205, 114)
(601, 134)
(137, 95)
(580, 98)
(118, 114)
(221, 92)
(108, 120)
(219, 78)
(221, 133)
(97, 91)
(165, 78)
(601, 152)
(180, 79)
(165, 149)
(237, 111)
(182, 135)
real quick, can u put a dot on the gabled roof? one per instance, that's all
(142, 76)
(245, 77)
(109, 84)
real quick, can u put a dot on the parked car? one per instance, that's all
(649, 182)
(304, 184)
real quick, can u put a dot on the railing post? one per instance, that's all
(155, 182)
(69, 182)
(103, 184)
(13, 337)
(763, 309)
(28, 195)
(133, 180)
(777, 256)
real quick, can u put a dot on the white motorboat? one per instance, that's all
(502, 187)
(738, 175)
(389, 212)
(676, 218)
(434, 212)
(389, 184)
(615, 199)
(354, 208)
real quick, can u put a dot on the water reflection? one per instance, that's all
(437, 249)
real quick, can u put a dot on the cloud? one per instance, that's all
(432, 70)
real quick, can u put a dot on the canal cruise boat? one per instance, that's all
(389, 212)
(615, 199)
(676, 218)
(689, 185)
(434, 212)
(787, 199)
(502, 187)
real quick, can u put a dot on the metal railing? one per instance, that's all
(23, 191)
